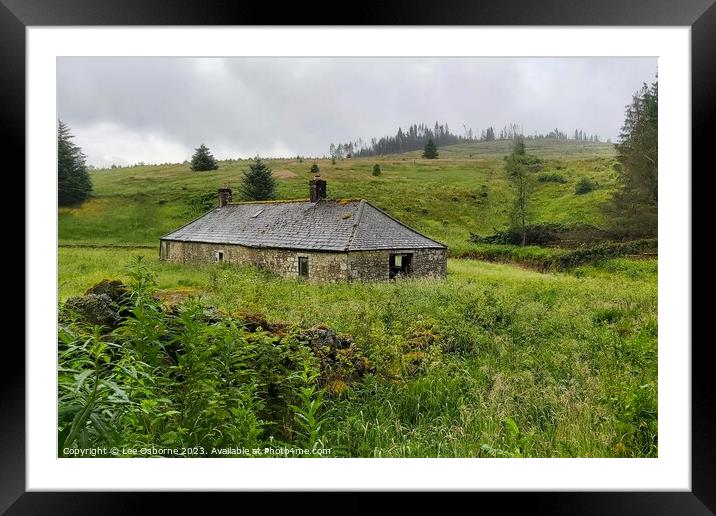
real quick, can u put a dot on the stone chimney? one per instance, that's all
(224, 196)
(317, 189)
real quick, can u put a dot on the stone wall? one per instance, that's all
(374, 265)
(368, 265)
(323, 266)
(430, 262)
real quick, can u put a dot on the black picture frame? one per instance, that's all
(700, 15)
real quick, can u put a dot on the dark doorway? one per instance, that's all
(400, 265)
(219, 256)
(303, 266)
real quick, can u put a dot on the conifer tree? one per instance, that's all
(258, 182)
(203, 159)
(74, 184)
(634, 206)
(431, 151)
(314, 168)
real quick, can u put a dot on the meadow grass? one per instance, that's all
(526, 364)
(464, 191)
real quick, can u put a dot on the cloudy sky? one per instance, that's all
(126, 110)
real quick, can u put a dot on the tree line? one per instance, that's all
(417, 136)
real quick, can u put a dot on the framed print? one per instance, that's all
(419, 253)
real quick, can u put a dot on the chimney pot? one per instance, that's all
(224, 196)
(317, 189)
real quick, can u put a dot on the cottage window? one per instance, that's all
(303, 266)
(219, 256)
(399, 265)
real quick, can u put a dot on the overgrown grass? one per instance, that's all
(181, 381)
(495, 361)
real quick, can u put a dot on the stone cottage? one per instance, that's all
(321, 239)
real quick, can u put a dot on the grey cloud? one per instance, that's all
(125, 110)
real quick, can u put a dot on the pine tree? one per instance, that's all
(634, 206)
(431, 151)
(74, 184)
(258, 183)
(376, 170)
(314, 168)
(203, 159)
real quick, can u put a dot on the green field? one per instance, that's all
(522, 363)
(529, 364)
(463, 191)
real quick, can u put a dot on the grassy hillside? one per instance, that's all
(463, 191)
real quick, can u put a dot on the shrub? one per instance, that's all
(603, 251)
(551, 177)
(376, 170)
(584, 185)
(556, 259)
(548, 233)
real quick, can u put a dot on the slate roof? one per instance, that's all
(327, 225)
